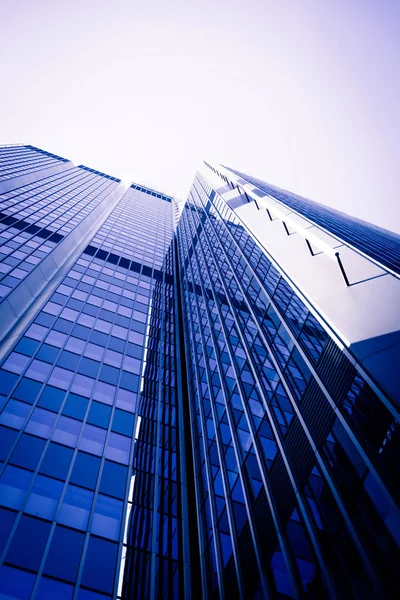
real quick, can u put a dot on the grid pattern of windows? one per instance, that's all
(150, 221)
(16, 161)
(174, 420)
(36, 217)
(284, 430)
(73, 398)
(378, 243)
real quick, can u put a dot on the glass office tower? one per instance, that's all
(198, 400)
(292, 339)
(88, 369)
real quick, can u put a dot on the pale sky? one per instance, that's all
(304, 94)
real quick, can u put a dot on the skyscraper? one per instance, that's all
(198, 400)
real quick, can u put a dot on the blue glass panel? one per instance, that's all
(16, 363)
(13, 486)
(64, 555)
(88, 367)
(61, 378)
(15, 414)
(75, 508)
(15, 584)
(48, 353)
(29, 555)
(7, 437)
(99, 569)
(82, 385)
(68, 360)
(27, 390)
(113, 480)
(129, 381)
(75, 406)
(107, 517)
(67, 431)
(104, 392)
(7, 381)
(7, 520)
(41, 422)
(123, 422)
(126, 400)
(38, 370)
(56, 461)
(51, 398)
(92, 439)
(27, 346)
(118, 447)
(44, 497)
(49, 589)
(85, 471)
(109, 374)
(28, 452)
(99, 414)
(89, 595)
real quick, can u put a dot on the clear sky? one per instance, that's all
(304, 94)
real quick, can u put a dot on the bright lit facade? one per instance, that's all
(196, 402)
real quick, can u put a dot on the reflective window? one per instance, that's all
(28, 452)
(15, 584)
(64, 555)
(99, 569)
(99, 414)
(75, 507)
(92, 439)
(107, 517)
(85, 471)
(41, 422)
(49, 589)
(14, 483)
(75, 406)
(67, 431)
(44, 497)
(113, 480)
(51, 398)
(7, 520)
(56, 461)
(118, 447)
(22, 554)
(15, 414)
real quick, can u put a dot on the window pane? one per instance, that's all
(67, 431)
(7, 520)
(41, 422)
(99, 569)
(118, 447)
(65, 553)
(75, 507)
(13, 486)
(85, 471)
(44, 497)
(113, 480)
(29, 555)
(56, 461)
(15, 584)
(107, 517)
(49, 589)
(92, 439)
(28, 452)
(15, 414)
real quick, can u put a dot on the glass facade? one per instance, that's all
(176, 420)
(376, 242)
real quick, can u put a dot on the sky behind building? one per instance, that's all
(301, 94)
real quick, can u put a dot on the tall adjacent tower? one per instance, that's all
(198, 400)
(291, 316)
